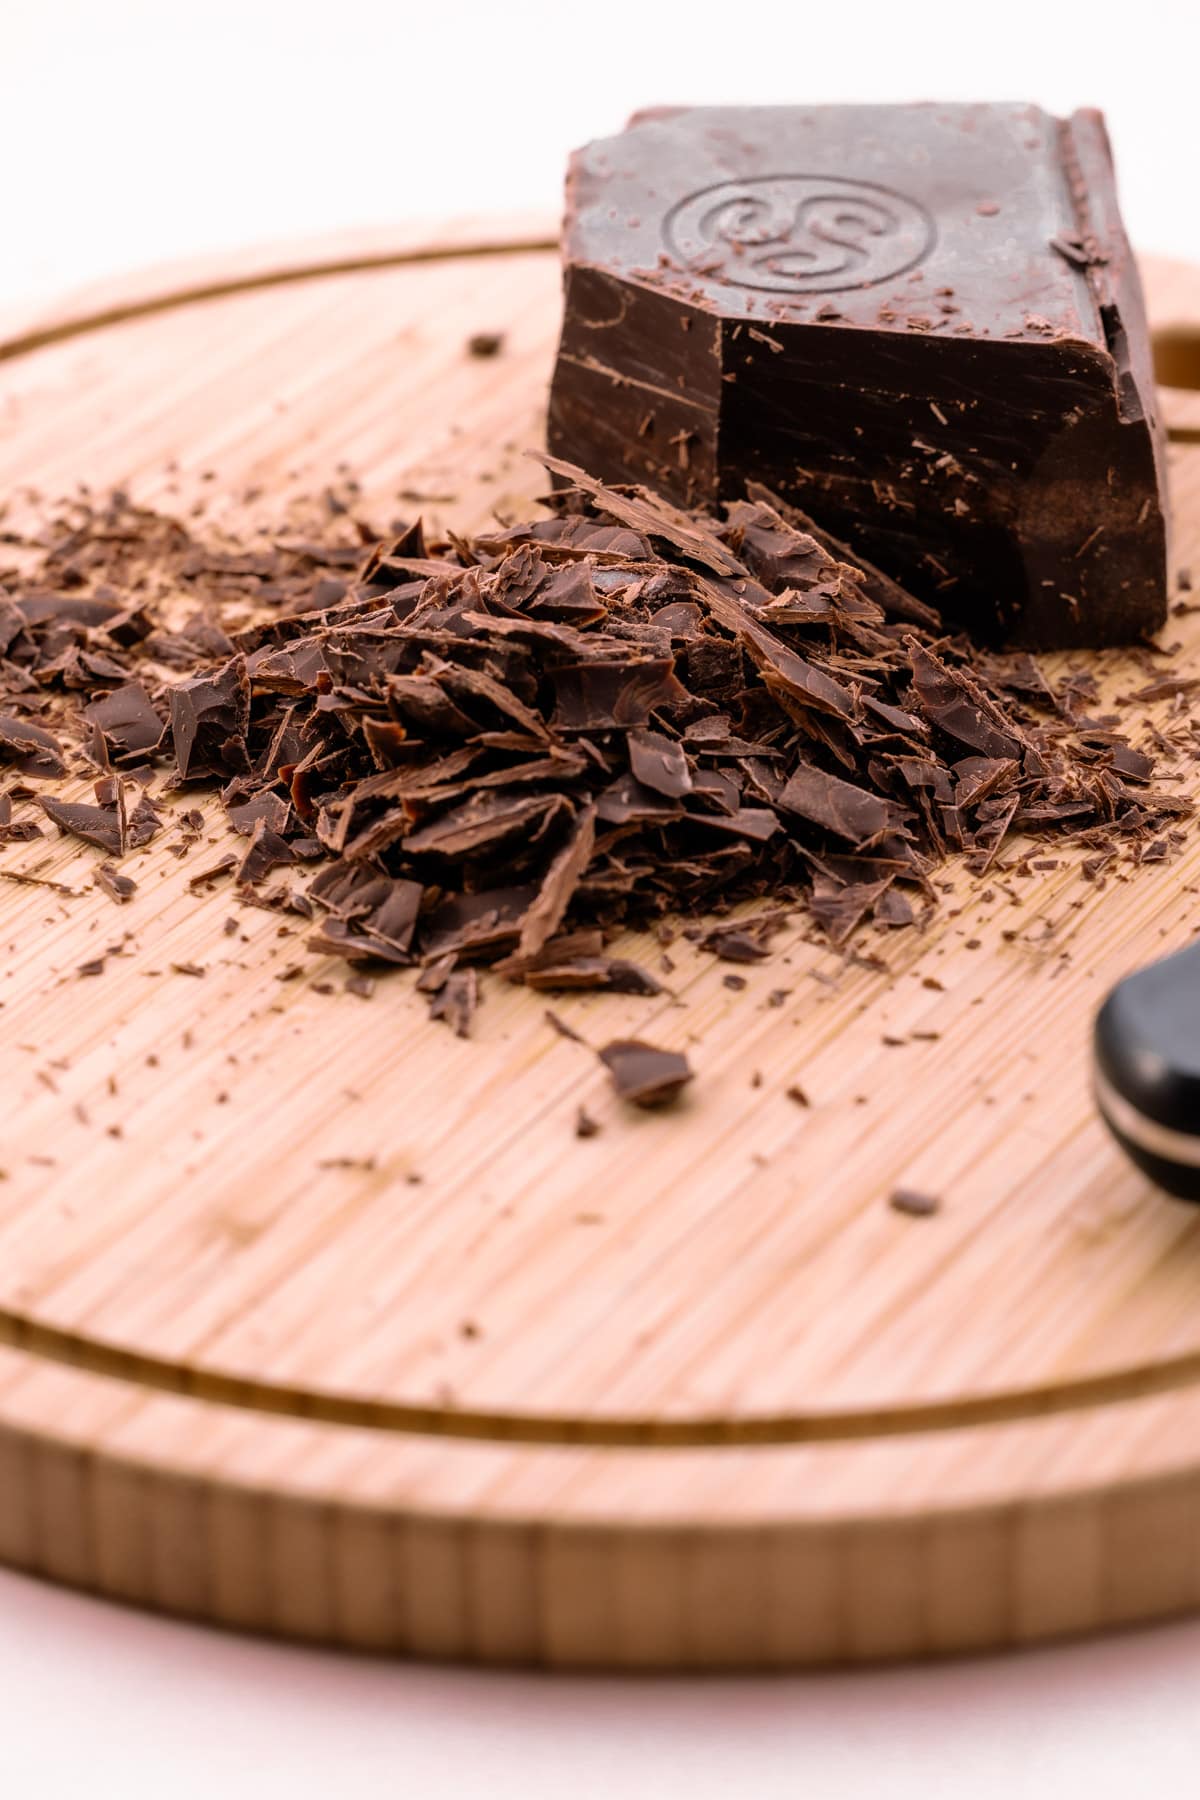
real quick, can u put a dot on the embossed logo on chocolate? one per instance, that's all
(799, 234)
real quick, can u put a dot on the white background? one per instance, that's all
(137, 130)
(133, 131)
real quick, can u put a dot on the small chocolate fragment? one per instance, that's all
(210, 716)
(105, 826)
(485, 343)
(836, 805)
(203, 878)
(118, 887)
(615, 973)
(659, 763)
(456, 1000)
(128, 721)
(643, 1074)
(923, 324)
(35, 750)
(913, 1202)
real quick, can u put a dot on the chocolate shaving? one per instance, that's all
(615, 973)
(105, 826)
(35, 751)
(210, 716)
(456, 1000)
(118, 887)
(643, 1074)
(127, 721)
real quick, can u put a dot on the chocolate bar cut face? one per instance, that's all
(921, 324)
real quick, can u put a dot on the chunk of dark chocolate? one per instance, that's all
(870, 310)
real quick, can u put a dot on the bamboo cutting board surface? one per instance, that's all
(317, 1320)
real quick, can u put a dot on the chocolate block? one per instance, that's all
(922, 324)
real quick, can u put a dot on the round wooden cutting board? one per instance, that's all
(317, 1320)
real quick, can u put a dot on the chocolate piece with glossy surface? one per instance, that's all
(921, 323)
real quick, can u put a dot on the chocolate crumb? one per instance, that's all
(585, 1125)
(912, 1202)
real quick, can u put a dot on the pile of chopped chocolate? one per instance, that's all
(498, 750)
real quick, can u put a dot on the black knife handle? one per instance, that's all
(1147, 1070)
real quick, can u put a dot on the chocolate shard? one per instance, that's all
(840, 910)
(99, 825)
(643, 1074)
(456, 1000)
(372, 916)
(615, 973)
(659, 763)
(958, 706)
(118, 887)
(894, 601)
(266, 851)
(601, 696)
(129, 721)
(210, 716)
(869, 310)
(35, 750)
(558, 887)
(269, 806)
(482, 824)
(849, 812)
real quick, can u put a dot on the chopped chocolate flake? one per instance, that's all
(128, 721)
(1167, 687)
(118, 887)
(456, 1000)
(485, 343)
(659, 763)
(104, 826)
(206, 877)
(34, 750)
(796, 1092)
(643, 1074)
(209, 719)
(732, 943)
(615, 973)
